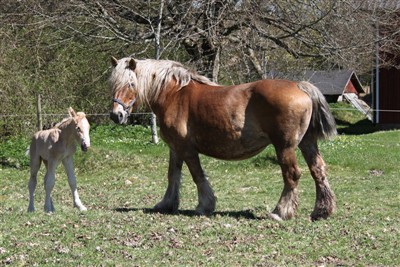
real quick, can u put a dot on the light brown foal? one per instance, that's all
(53, 146)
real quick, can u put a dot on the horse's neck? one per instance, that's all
(164, 98)
(67, 132)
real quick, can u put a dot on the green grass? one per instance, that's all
(124, 175)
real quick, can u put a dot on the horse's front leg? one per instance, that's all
(49, 181)
(205, 193)
(170, 202)
(69, 169)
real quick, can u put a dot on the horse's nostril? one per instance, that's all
(117, 117)
(114, 117)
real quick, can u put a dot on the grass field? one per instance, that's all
(123, 176)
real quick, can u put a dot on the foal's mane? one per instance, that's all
(151, 76)
(66, 121)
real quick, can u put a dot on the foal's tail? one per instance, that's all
(322, 123)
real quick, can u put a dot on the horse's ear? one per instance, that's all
(71, 112)
(114, 61)
(132, 64)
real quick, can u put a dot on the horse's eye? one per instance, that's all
(78, 129)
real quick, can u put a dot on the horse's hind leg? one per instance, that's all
(170, 202)
(288, 202)
(49, 181)
(35, 163)
(69, 169)
(325, 203)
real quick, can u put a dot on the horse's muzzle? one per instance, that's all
(118, 117)
(84, 147)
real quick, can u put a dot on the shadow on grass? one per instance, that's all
(242, 214)
(265, 160)
(361, 127)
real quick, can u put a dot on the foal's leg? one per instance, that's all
(69, 169)
(49, 181)
(325, 203)
(170, 202)
(288, 202)
(205, 193)
(35, 166)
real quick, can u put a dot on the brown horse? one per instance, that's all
(228, 122)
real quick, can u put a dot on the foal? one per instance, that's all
(55, 145)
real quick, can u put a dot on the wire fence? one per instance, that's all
(11, 124)
(28, 123)
(65, 114)
(149, 113)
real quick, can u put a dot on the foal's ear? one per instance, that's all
(114, 61)
(71, 112)
(132, 64)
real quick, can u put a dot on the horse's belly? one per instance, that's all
(228, 149)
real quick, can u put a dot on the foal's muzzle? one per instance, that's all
(84, 146)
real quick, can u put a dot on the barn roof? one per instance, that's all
(332, 82)
(380, 4)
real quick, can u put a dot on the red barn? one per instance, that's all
(387, 96)
(334, 83)
(386, 84)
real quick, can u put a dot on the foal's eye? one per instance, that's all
(78, 129)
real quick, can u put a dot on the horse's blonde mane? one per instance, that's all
(66, 121)
(151, 76)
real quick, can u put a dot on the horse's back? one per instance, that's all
(43, 143)
(280, 94)
(237, 122)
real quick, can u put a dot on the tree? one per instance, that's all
(61, 48)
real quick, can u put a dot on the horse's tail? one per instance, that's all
(322, 123)
(29, 148)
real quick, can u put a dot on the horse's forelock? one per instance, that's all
(120, 76)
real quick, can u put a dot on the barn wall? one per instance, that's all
(389, 96)
(350, 88)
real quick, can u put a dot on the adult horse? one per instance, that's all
(230, 123)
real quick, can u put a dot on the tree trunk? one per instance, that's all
(216, 66)
(256, 64)
(154, 134)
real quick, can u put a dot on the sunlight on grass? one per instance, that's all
(124, 175)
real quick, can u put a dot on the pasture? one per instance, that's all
(123, 176)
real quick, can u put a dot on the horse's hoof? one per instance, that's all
(318, 215)
(83, 208)
(49, 210)
(275, 217)
(165, 209)
(204, 212)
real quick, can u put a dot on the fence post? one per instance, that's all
(39, 113)
(154, 128)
